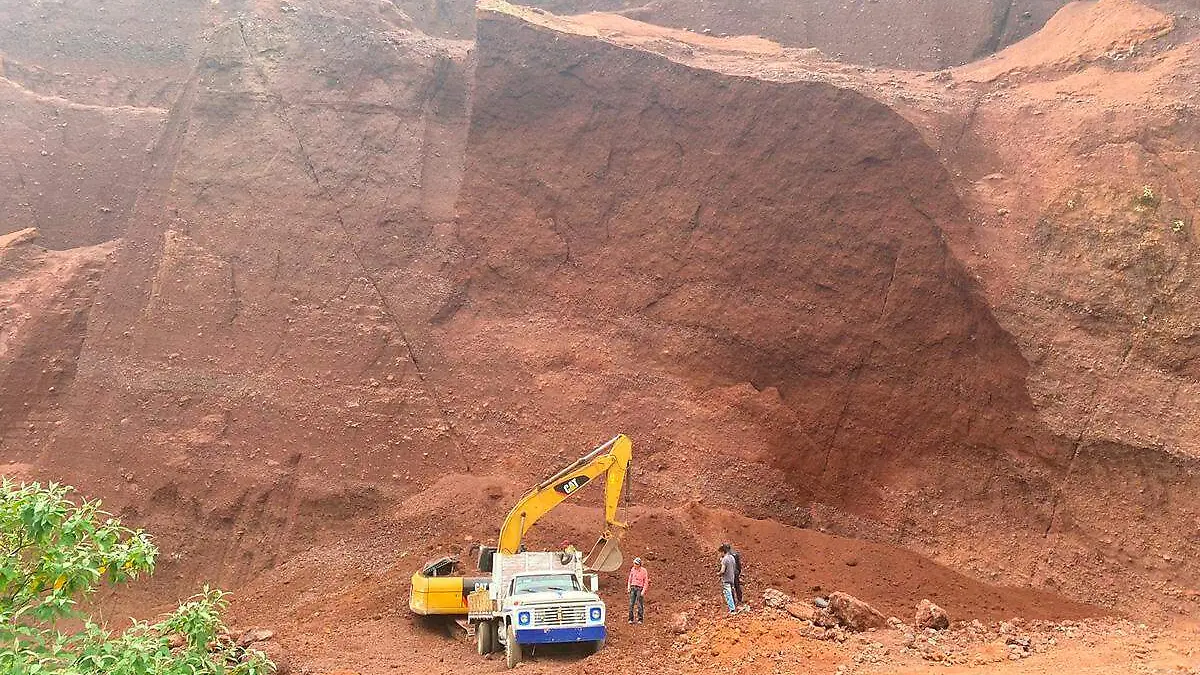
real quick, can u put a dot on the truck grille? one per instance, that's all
(560, 616)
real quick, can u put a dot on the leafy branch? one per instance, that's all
(60, 552)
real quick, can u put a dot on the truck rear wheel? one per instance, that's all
(483, 638)
(512, 650)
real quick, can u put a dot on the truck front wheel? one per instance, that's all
(597, 645)
(512, 649)
(483, 638)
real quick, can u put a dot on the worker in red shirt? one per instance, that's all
(639, 581)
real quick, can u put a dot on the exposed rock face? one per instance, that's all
(46, 299)
(59, 160)
(1054, 354)
(255, 273)
(780, 235)
(861, 304)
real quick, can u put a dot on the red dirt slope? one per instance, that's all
(352, 592)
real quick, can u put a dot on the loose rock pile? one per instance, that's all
(931, 636)
(773, 597)
(844, 611)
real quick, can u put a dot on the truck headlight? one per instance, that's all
(523, 618)
(595, 613)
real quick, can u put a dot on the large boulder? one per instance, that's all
(854, 613)
(930, 615)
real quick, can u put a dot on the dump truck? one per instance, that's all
(537, 598)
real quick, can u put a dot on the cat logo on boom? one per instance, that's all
(568, 486)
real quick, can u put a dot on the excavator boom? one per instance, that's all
(610, 460)
(436, 589)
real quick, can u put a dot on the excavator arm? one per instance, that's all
(610, 460)
(435, 592)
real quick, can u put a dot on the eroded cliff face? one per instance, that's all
(46, 299)
(1082, 241)
(246, 371)
(60, 160)
(804, 239)
(343, 293)
(785, 237)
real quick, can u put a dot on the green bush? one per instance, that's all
(57, 553)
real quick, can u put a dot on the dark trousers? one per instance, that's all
(635, 598)
(737, 588)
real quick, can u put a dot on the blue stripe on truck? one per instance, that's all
(538, 636)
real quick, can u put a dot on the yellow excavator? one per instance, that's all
(438, 589)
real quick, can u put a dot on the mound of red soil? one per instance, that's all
(353, 595)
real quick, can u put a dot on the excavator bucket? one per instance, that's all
(605, 556)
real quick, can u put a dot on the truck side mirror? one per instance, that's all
(592, 581)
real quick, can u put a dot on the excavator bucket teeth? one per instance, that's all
(605, 556)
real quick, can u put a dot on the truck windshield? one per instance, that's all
(537, 583)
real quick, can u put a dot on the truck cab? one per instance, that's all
(537, 598)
